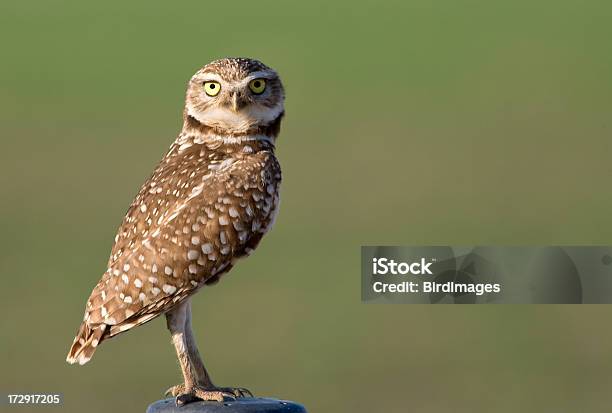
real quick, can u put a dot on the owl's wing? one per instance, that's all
(161, 258)
(151, 271)
(185, 228)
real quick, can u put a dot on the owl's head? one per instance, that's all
(235, 95)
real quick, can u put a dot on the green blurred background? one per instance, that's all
(408, 122)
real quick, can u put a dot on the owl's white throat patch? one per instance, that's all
(241, 139)
(186, 141)
(236, 122)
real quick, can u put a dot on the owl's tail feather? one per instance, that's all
(85, 343)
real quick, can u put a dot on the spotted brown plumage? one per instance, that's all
(207, 204)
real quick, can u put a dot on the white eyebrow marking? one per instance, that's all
(207, 77)
(266, 74)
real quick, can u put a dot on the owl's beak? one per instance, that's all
(236, 104)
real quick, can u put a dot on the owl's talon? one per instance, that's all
(245, 392)
(175, 390)
(238, 392)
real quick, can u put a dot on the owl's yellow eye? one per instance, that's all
(257, 86)
(212, 88)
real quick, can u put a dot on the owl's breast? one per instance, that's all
(260, 176)
(245, 208)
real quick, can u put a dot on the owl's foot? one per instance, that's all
(186, 395)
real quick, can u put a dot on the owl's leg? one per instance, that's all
(203, 378)
(191, 389)
(202, 375)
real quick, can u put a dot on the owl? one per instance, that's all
(207, 204)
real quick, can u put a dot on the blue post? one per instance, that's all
(240, 405)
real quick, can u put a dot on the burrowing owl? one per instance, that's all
(208, 203)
